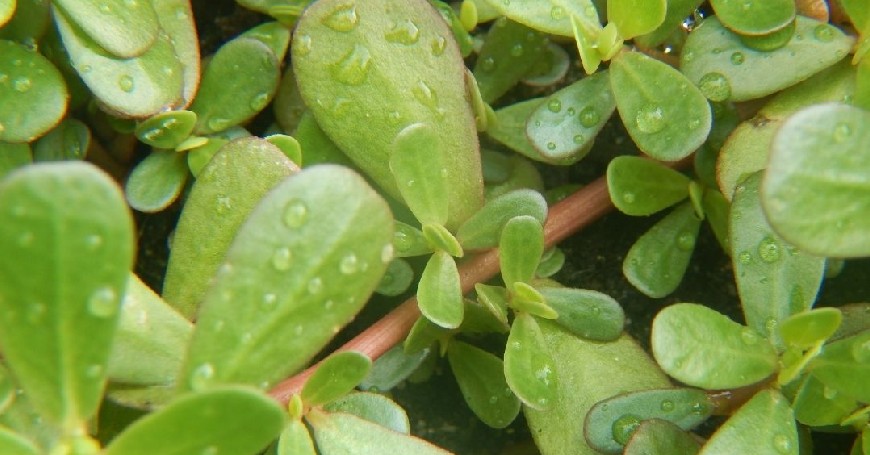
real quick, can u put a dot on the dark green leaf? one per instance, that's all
(335, 376)
(677, 11)
(764, 425)
(509, 53)
(288, 105)
(481, 379)
(166, 130)
(484, 228)
(640, 187)
(845, 366)
(340, 433)
(439, 294)
(13, 156)
(70, 140)
(391, 369)
(700, 347)
(375, 408)
(717, 210)
(295, 440)
(806, 329)
(529, 368)
(520, 248)
(660, 437)
(156, 181)
(754, 18)
(71, 223)
(586, 313)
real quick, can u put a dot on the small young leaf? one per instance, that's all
(529, 368)
(272, 34)
(833, 187)
(222, 197)
(422, 334)
(510, 51)
(479, 318)
(484, 228)
(845, 366)
(717, 209)
(166, 130)
(660, 437)
(806, 329)
(175, 18)
(481, 379)
(340, 433)
(563, 127)
(414, 159)
(636, 17)
(440, 239)
(657, 261)
(551, 16)
(667, 122)
(288, 284)
(336, 375)
(510, 130)
(677, 12)
(439, 294)
(641, 187)
(69, 140)
(551, 262)
(226, 420)
(774, 280)
(703, 348)
(764, 425)
(288, 145)
(12, 443)
(124, 29)
(397, 278)
(373, 407)
(295, 440)
(585, 313)
(409, 241)
(34, 94)
(391, 369)
(157, 181)
(520, 248)
(71, 223)
(288, 105)
(494, 299)
(816, 404)
(754, 18)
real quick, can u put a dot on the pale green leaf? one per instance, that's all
(636, 17)
(295, 440)
(418, 166)
(439, 294)
(123, 28)
(346, 434)
(586, 313)
(808, 328)
(166, 130)
(176, 20)
(550, 16)
(754, 18)
(660, 437)
(844, 366)
(373, 407)
(529, 368)
(510, 51)
(520, 248)
(335, 376)
(640, 187)
(483, 229)
(157, 181)
(764, 425)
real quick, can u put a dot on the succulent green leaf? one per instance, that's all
(391, 369)
(586, 313)
(221, 199)
(511, 50)
(754, 18)
(13, 156)
(156, 181)
(664, 114)
(609, 423)
(510, 130)
(226, 420)
(166, 130)
(660, 437)
(335, 376)
(716, 209)
(551, 262)
(636, 17)
(484, 228)
(439, 238)
(834, 187)
(373, 407)
(71, 223)
(238, 82)
(764, 425)
(771, 41)
(550, 16)
(589, 372)
(640, 187)
(397, 278)
(202, 153)
(69, 140)
(657, 261)
(12, 443)
(439, 294)
(416, 162)
(150, 341)
(521, 246)
(288, 105)
(774, 279)
(423, 333)
(176, 20)
(124, 29)
(409, 241)
(526, 298)
(272, 34)
(481, 379)
(676, 12)
(479, 318)
(563, 127)
(346, 58)
(494, 299)
(33, 91)
(551, 69)
(341, 433)
(289, 283)
(856, 318)
(717, 61)
(816, 404)
(295, 440)
(844, 366)
(808, 328)
(529, 368)
(703, 348)
(288, 145)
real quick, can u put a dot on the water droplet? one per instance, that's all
(395, 117)
(516, 345)
(770, 325)
(686, 241)
(824, 33)
(438, 45)
(596, 310)
(223, 204)
(667, 406)
(694, 123)
(125, 83)
(181, 13)
(282, 258)
(782, 443)
(218, 124)
(554, 105)
(210, 450)
(295, 213)
(387, 253)
(349, 264)
(353, 68)
(402, 241)
(650, 119)
(589, 116)
(557, 13)
(699, 408)
(543, 401)
(269, 301)
(493, 399)
(544, 374)
(688, 56)
(579, 139)
(328, 304)
(749, 336)
(715, 86)
(201, 376)
(425, 95)
(341, 106)
(35, 313)
(315, 285)
(769, 250)
(302, 45)
(829, 393)
(551, 146)
(623, 427)
(744, 257)
(403, 32)
(259, 102)
(25, 239)
(22, 84)
(105, 8)
(103, 302)
(737, 58)
(842, 132)
(628, 197)
(517, 50)
(343, 19)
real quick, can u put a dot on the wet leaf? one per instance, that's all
(373, 407)
(844, 366)
(660, 437)
(288, 105)
(494, 299)
(335, 376)
(439, 294)
(409, 241)
(754, 18)
(295, 440)
(831, 187)
(484, 228)
(529, 368)
(510, 51)
(176, 20)
(657, 261)
(520, 248)
(665, 115)
(276, 300)
(125, 29)
(703, 348)
(550, 16)
(71, 223)
(221, 199)
(225, 420)
(391, 369)
(272, 34)
(340, 433)
(34, 94)
(816, 404)
(419, 169)
(69, 140)
(481, 379)
(510, 129)
(640, 187)
(636, 17)
(440, 239)
(764, 425)
(166, 130)
(676, 12)
(808, 328)
(397, 278)
(156, 181)
(586, 313)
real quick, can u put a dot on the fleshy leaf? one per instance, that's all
(125, 29)
(511, 50)
(483, 229)
(336, 375)
(439, 238)
(13, 156)
(416, 162)
(806, 329)
(754, 18)
(520, 248)
(510, 130)
(166, 130)
(392, 368)
(272, 34)
(845, 366)
(640, 187)
(665, 115)
(563, 127)
(276, 300)
(222, 197)
(409, 241)
(397, 278)
(176, 20)
(816, 404)
(71, 223)
(69, 140)
(340, 433)
(764, 425)
(660, 437)
(718, 62)
(609, 423)
(226, 420)
(636, 17)
(481, 379)
(373, 407)
(585, 313)
(529, 368)
(832, 186)
(657, 261)
(703, 348)
(677, 11)
(494, 299)
(774, 279)
(295, 440)
(12, 443)
(33, 91)
(439, 294)
(550, 16)
(156, 181)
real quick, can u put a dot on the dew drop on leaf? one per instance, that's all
(554, 105)
(737, 58)
(551, 145)
(218, 124)
(578, 139)
(22, 84)
(748, 336)
(715, 86)
(125, 83)
(842, 132)
(650, 119)
(282, 258)
(259, 101)
(769, 250)
(781, 443)
(667, 405)
(315, 285)
(487, 64)
(557, 13)
(201, 376)
(403, 32)
(269, 301)
(628, 197)
(686, 241)
(303, 45)
(438, 46)
(223, 204)
(623, 427)
(349, 264)
(343, 19)
(387, 253)
(295, 214)
(517, 50)
(823, 33)
(103, 303)
(353, 68)
(744, 257)
(589, 116)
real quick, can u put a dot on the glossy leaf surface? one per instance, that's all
(845, 366)
(551, 16)
(166, 130)
(510, 129)
(156, 181)
(806, 329)
(764, 425)
(483, 229)
(439, 294)
(481, 379)
(511, 50)
(529, 368)
(336, 375)
(641, 187)
(754, 18)
(340, 433)
(124, 29)
(660, 437)
(416, 161)
(373, 407)
(71, 223)
(586, 313)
